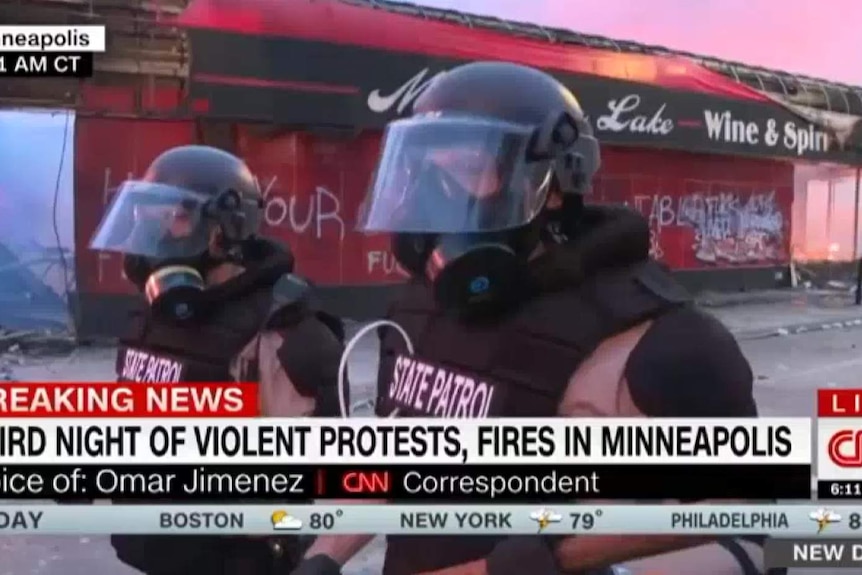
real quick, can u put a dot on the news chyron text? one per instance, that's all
(49, 51)
(194, 442)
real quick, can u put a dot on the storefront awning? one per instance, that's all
(344, 23)
(333, 63)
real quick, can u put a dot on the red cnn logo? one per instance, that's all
(845, 448)
(366, 482)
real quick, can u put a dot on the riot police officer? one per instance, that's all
(222, 303)
(554, 303)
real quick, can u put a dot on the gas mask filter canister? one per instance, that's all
(175, 292)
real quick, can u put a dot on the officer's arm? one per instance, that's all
(687, 365)
(298, 362)
(573, 554)
(298, 366)
(338, 549)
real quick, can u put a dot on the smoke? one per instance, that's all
(32, 283)
(29, 167)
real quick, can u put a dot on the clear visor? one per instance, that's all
(153, 220)
(454, 175)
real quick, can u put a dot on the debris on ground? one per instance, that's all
(5, 370)
(38, 342)
(17, 346)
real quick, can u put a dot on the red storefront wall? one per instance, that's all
(706, 211)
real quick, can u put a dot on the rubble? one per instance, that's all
(16, 346)
(41, 342)
(5, 370)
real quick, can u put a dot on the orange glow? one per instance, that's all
(340, 22)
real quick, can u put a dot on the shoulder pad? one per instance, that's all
(290, 300)
(334, 323)
(658, 280)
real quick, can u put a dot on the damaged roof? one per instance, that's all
(793, 88)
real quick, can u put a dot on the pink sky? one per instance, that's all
(800, 36)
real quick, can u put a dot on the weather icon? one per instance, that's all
(545, 517)
(284, 521)
(824, 517)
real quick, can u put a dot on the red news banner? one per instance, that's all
(66, 400)
(839, 444)
(185, 442)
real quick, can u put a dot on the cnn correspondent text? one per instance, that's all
(200, 441)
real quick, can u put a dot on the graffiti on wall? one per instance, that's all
(726, 227)
(383, 263)
(314, 184)
(317, 214)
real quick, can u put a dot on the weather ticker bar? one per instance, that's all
(791, 520)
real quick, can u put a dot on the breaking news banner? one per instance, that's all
(49, 51)
(106, 400)
(445, 518)
(839, 444)
(197, 441)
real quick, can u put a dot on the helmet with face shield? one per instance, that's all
(192, 210)
(462, 184)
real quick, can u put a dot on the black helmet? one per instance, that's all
(170, 213)
(463, 182)
(164, 224)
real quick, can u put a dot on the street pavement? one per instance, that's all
(795, 344)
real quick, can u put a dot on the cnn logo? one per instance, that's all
(845, 448)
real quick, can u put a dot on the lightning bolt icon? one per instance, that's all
(543, 522)
(823, 517)
(544, 517)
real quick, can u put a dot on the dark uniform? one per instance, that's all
(222, 305)
(525, 302)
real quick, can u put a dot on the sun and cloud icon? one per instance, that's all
(824, 517)
(284, 521)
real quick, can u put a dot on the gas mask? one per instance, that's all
(470, 273)
(166, 235)
(174, 291)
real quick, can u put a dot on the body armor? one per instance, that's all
(518, 365)
(166, 352)
(163, 351)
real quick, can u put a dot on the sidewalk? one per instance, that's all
(749, 316)
(783, 312)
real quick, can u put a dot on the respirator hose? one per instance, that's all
(351, 346)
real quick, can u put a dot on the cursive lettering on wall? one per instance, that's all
(403, 96)
(625, 116)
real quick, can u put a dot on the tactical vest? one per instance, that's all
(160, 352)
(516, 366)
(157, 351)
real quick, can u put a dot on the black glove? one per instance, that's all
(318, 565)
(526, 553)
